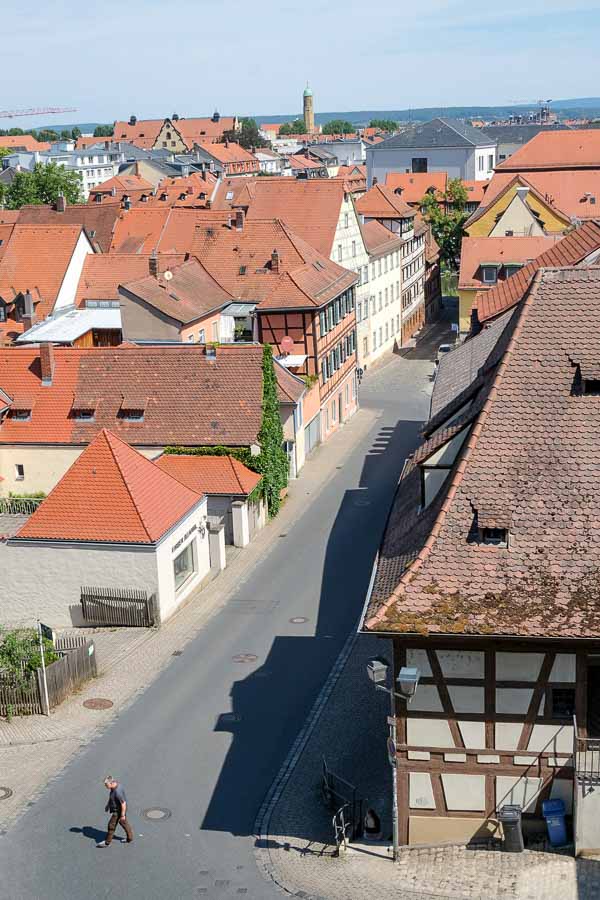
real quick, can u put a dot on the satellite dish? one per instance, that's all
(167, 275)
(287, 344)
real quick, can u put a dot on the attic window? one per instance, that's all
(591, 386)
(229, 195)
(489, 274)
(497, 537)
(243, 270)
(21, 415)
(83, 415)
(131, 415)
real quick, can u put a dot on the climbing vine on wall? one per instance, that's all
(271, 462)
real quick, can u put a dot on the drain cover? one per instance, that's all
(298, 620)
(245, 658)
(5, 793)
(156, 813)
(97, 703)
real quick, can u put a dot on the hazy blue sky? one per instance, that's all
(151, 58)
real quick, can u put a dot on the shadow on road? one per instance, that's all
(270, 705)
(94, 834)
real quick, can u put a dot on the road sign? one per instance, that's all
(391, 749)
(48, 633)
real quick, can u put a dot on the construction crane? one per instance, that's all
(42, 111)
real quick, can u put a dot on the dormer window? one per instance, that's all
(132, 408)
(132, 415)
(489, 274)
(497, 537)
(591, 386)
(84, 415)
(512, 268)
(20, 415)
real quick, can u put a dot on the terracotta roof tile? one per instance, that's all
(122, 184)
(500, 250)
(210, 474)
(36, 258)
(556, 150)
(191, 400)
(189, 294)
(380, 202)
(111, 494)
(152, 228)
(529, 464)
(412, 187)
(102, 273)
(571, 250)
(98, 220)
(25, 142)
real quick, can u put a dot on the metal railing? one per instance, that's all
(586, 758)
(19, 506)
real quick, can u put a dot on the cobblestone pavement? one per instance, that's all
(294, 847)
(131, 661)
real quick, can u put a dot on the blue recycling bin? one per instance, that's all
(554, 813)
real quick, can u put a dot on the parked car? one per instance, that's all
(442, 350)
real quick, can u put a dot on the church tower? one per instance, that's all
(309, 113)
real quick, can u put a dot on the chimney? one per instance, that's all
(226, 144)
(136, 170)
(47, 363)
(190, 189)
(153, 264)
(374, 182)
(61, 203)
(275, 262)
(113, 191)
(28, 318)
(208, 204)
(107, 145)
(239, 219)
(204, 178)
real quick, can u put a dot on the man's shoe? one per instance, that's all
(102, 844)
(129, 841)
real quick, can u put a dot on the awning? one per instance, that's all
(239, 310)
(292, 360)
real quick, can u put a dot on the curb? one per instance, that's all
(263, 819)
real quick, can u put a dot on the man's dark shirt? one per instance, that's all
(116, 799)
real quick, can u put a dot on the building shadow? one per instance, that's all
(270, 706)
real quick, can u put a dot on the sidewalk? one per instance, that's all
(33, 749)
(295, 838)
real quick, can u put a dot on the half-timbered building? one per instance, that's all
(487, 579)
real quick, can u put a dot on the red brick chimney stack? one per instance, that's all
(47, 363)
(275, 262)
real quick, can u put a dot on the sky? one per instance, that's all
(112, 60)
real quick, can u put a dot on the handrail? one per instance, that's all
(19, 506)
(586, 757)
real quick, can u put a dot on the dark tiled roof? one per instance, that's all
(530, 461)
(437, 133)
(458, 370)
(98, 221)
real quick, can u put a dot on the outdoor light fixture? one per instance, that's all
(377, 670)
(407, 681)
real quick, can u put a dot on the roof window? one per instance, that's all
(21, 415)
(591, 386)
(131, 415)
(83, 415)
(496, 537)
(243, 270)
(489, 274)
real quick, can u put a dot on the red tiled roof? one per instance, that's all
(98, 219)
(122, 184)
(210, 474)
(378, 239)
(529, 462)
(25, 142)
(103, 273)
(36, 258)
(240, 261)
(476, 190)
(165, 230)
(143, 134)
(414, 186)
(299, 161)
(500, 250)
(569, 251)
(556, 150)
(230, 152)
(311, 207)
(191, 400)
(232, 192)
(380, 202)
(188, 295)
(111, 494)
(203, 130)
(290, 388)
(568, 192)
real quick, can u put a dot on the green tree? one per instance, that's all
(15, 131)
(383, 124)
(446, 215)
(20, 652)
(43, 185)
(4, 151)
(47, 135)
(295, 127)
(248, 136)
(339, 126)
(76, 133)
(103, 131)
(272, 461)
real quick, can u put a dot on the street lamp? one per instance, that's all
(406, 683)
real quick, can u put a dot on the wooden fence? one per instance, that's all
(118, 606)
(75, 666)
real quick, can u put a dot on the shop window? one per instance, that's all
(184, 566)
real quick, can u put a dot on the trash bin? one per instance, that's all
(510, 817)
(554, 813)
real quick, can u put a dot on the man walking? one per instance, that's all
(117, 806)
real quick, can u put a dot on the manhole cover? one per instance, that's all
(245, 658)
(362, 502)
(5, 793)
(156, 813)
(97, 703)
(298, 620)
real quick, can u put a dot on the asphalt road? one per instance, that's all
(206, 740)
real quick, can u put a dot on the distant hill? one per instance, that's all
(584, 106)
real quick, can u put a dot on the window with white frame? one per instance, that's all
(353, 248)
(339, 252)
(19, 472)
(490, 274)
(184, 565)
